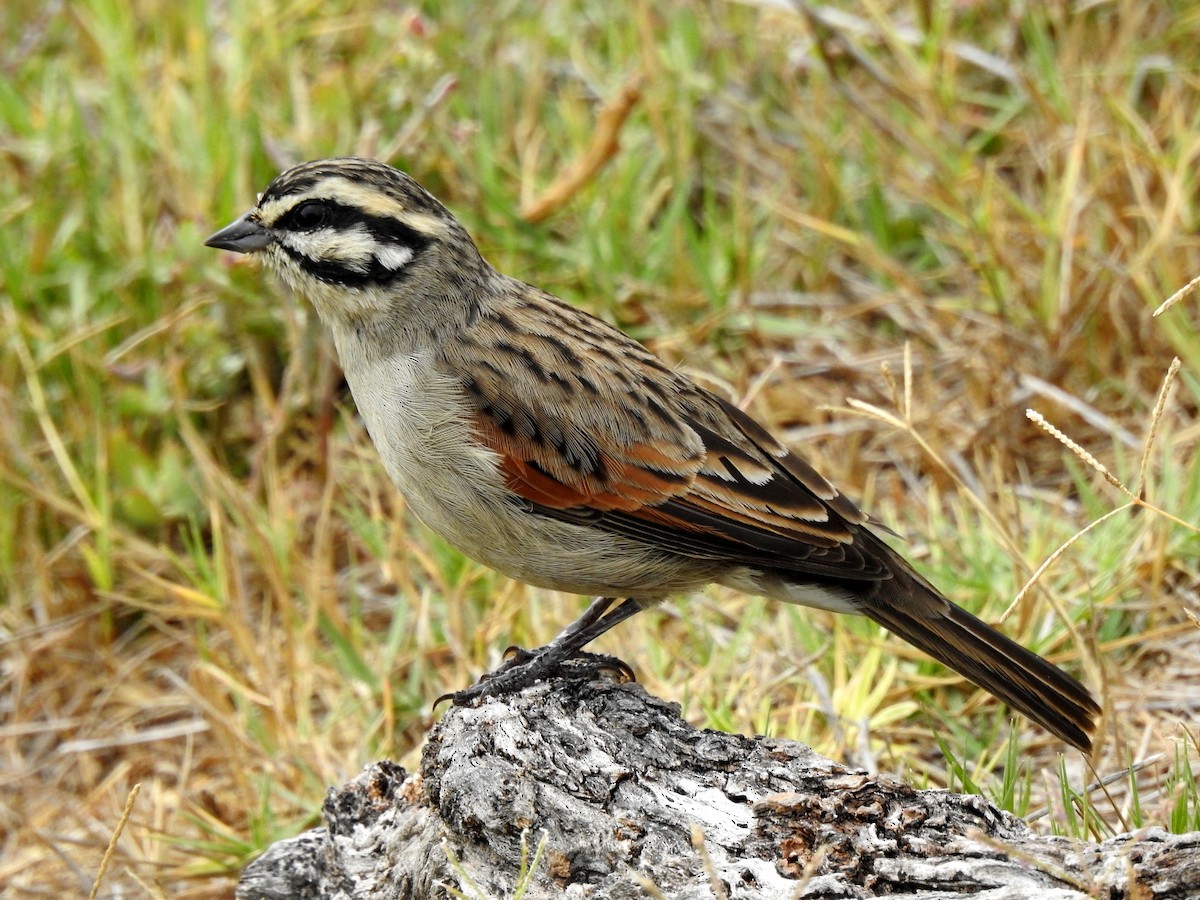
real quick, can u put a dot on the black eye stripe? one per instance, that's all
(388, 232)
(385, 229)
(313, 214)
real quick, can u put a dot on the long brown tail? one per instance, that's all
(911, 608)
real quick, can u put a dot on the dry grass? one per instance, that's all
(888, 233)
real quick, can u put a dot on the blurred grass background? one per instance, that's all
(209, 587)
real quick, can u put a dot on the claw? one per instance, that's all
(520, 654)
(563, 656)
(621, 669)
(523, 668)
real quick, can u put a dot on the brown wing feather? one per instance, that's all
(662, 461)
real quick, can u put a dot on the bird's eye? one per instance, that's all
(310, 216)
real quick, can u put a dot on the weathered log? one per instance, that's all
(627, 795)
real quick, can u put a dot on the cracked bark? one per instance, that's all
(619, 784)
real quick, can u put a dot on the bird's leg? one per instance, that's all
(525, 667)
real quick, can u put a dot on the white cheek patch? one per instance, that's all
(355, 249)
(353, 246)
(394, 256)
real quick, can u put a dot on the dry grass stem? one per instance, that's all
(905, 423)
(604, 146)
(1160, 404)
(1062, 548)
(808, 872)
(1033, 862)
(112, 843)
(715, 884)
(1184, 291)
(1087, 458)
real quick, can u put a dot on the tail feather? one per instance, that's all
(911, 608)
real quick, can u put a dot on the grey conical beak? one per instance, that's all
(243, 235)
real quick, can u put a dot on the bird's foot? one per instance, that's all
(523, 668)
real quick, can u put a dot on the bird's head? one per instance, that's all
(356, 237)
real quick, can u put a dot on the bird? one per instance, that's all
(550, 446)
